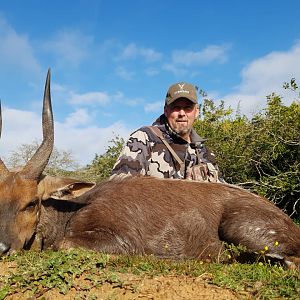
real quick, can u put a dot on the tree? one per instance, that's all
(101, 166)
(277, 155)
(60, 162)
(261, 153)
(229, 137)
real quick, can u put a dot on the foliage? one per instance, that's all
(261, 152)
(60, 162)
(228, 137)
(277, 154)
(101, 166)
(33, 274)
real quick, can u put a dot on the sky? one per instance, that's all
(112, 62)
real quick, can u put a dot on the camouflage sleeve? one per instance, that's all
(134, 158)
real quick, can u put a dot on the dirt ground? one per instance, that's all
(158, 288)
(134, 287)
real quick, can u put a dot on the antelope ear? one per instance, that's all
(62, 188)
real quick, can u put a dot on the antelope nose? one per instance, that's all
(4, 248)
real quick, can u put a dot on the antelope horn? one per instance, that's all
(36, 165)
(3, 170)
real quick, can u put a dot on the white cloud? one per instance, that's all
(151, 72)
(212, 53)
(175, 69)
(90, 98)
(78, 118)
(21, 127)
(154, 107)
(18, 127)
(70, 46)
(120, 98)
(85, 142)
(124, 73)
(150, 55)
(56, 87)
(131, 51)
(133, 101)
(64, 94)
(182, 61)
(263, 76)
(16, 50)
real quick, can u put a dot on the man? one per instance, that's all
(170, 148)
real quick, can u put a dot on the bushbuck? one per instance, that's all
(136, 215)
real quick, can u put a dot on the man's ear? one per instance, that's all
(165, 111)
(197, 112)
(62, 188)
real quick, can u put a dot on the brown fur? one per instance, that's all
(179, 219)
(143, 215)
(17, 224)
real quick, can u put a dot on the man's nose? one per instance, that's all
(181, 111)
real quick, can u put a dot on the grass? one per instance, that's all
(35, 273)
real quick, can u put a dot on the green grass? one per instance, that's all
(35, 273)
(297, 221)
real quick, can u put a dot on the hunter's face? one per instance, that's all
(181, 115)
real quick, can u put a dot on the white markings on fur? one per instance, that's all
(3, 247)
(275, 255)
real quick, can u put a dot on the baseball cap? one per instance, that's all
(181, 90)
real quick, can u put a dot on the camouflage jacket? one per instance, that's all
(145, 154)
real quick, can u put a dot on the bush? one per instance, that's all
(101, 166)
(262, 152)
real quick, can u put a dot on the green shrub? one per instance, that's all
(262, 152)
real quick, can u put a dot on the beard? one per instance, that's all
(182, 129)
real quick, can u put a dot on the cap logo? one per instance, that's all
(181, 86)
(181, 90)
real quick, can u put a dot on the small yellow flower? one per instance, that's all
(266, 248)
(276, 244)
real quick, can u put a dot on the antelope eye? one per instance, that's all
(32, 204)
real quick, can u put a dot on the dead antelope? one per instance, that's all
(136, 215)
